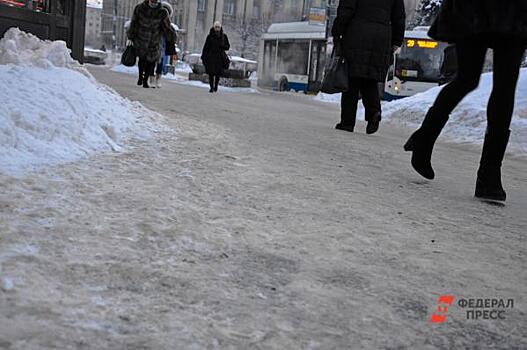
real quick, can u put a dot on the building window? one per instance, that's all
(34, 5)
(229, 7)
(256, 9)
(202, 5)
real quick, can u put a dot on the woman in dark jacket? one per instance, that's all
(474, 26)
(214, 56)
(149, 22)
(368, 32)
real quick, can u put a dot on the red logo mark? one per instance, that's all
(444, 301)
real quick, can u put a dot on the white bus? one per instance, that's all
(416, 66)
(292, 57)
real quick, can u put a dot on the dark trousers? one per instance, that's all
(214, 81)
(471, 55)
(146, 68)
(371, 100)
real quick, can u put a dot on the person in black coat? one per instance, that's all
(367, 32)
(475, 26)
(214, 56)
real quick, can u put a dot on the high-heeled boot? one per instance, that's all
(422, 141)
(488, 183)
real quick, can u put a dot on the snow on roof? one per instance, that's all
(417, 34)
(242, 60)
(97, 4)
(295, 30)
(296, 27)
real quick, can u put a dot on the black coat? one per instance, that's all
(146, 31)
(369, 29)
(459, 19)
(213, 53)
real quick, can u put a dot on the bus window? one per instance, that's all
(419, 60)
(293, 57)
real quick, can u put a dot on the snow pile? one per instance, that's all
(467, 123)
(51, 114)
(23, 49)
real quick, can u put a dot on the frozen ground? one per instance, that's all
(258, 227)
(468, 121)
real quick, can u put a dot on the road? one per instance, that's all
(252, 224)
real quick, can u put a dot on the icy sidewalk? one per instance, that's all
(52, 109)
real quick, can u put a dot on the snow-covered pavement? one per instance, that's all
(257, 226)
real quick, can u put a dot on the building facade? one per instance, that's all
(47, 19)
(93, 26)
(243, 20)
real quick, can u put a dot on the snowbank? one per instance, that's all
(23, 49)
(468, 121)
(52, 114)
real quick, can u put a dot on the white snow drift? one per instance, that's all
(468, 121)
(53, 111)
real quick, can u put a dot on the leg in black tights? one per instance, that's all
(149, 71)
(508, 53)
(216, 82)
(211, 82)
(141, 66)
(507, 61)
(471, 56)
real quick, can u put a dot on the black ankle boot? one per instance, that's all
(345, 127)
(373, 124)
(145, 83)
(422, 141)
(140, 81)
(488, 183)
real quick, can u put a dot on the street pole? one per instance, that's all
(244, 28)
(215, 7)
(114, 26)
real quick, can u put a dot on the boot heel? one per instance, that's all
(409, 146)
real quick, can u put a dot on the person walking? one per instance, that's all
(367, 32)
(149, 22)
(214, 55)
(155, 80)
(476, 26)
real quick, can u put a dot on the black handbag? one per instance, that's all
(129, 57)
(336, 78)
(226, 60)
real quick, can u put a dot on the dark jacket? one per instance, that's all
(147, 29)
(213, 53)
(459, 19)
(369, 29)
